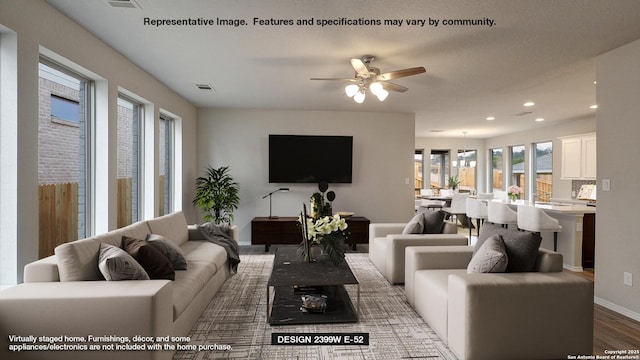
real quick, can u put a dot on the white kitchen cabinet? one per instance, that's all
(579, 157)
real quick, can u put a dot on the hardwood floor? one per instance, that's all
(612, 331)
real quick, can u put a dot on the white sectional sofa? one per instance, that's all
(65, 294)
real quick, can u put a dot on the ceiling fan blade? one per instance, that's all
(389, 86)
(360, 68)
(340, 79)
(400, 73)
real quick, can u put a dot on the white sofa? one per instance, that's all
(542, 314)
(70, 297)
(387, 244)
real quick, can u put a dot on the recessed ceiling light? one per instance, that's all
(595, 82)
(539, 119)
(593, 107)
(529, 103)
(491, 118)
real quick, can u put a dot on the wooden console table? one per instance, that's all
(284, 230)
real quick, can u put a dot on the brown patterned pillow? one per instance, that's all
(170, 250)
(151, 259)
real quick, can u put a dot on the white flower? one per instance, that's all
(324, 226)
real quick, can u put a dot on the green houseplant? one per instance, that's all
(217, 195)
(453, 182)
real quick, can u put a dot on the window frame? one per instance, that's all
(88, 92)
(137, 212)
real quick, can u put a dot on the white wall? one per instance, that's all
(383, 146)
(617, 239)
(38, 27)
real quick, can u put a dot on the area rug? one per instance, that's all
(235, 321)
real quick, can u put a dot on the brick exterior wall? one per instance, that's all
(58, 140)
(127, 138)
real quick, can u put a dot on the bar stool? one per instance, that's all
(501, 213)
(476, 209)
(484, 196)
(530, 218)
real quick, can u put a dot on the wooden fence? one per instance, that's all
(58, 214)
(58, 211)
(125, 202)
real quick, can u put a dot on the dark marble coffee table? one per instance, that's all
(291, 278)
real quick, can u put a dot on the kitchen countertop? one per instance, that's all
(556, 207)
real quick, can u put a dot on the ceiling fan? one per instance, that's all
(369, 77)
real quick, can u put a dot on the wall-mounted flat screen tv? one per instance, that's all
(310, 159)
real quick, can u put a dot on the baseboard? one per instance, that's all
(573, 268)
(617, 308)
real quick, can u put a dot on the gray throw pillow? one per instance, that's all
(490, 258)
(433, 222)
(115, 264)
(170, 250)
(415, 225)
(522, 246)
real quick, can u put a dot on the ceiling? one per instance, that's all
(541, 51)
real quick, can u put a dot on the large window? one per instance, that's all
(63, 143)
(542, 187)
(467, 169)
(518, 166)
(165, 178)
(128, 161)
(439, 169)
(495, 173)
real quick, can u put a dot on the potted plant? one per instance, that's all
(453, 182)
(217, 195)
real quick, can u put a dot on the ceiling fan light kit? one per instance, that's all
(357, 92)
(369, 77)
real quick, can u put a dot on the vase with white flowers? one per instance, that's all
(514, 192)
(328, 232)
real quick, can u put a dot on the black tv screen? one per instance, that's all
(310, 158)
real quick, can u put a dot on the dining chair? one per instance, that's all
(476, 209)
(458, 205)
(446, 192)
(426, 192)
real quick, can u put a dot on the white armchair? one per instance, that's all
(387, 245)
(544, 314)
